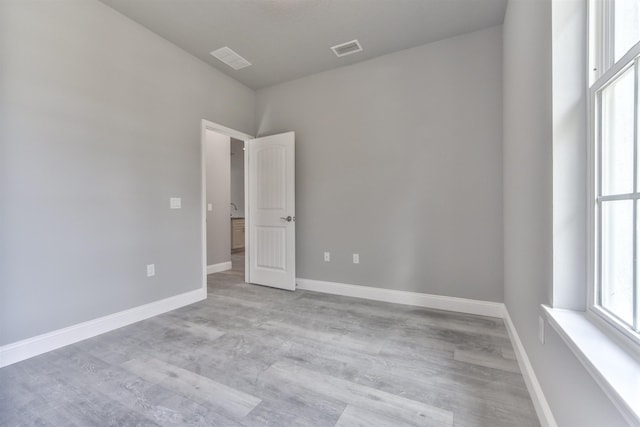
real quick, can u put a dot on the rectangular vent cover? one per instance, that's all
(229, 57)
(347, 48)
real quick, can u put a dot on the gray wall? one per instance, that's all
(100, 125)
(237, 176)
(218, 184)
(575, 399)
(400, 159)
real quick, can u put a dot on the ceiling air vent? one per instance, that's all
(229, 57)
(347, 48)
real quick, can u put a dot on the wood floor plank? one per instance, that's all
(229, 401)
(358, 417)
(149, 400)
(203, 331)
(337, 338)
(486, 360)
(388, 405)
(69, 398)
(508, 353)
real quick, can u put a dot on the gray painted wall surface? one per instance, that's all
(575, 399)
(218, 185)
(100, 126)
(399, 159)
(237, 176)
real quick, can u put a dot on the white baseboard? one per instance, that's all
(217, 268)
(30, 347)
(460, 305)
(535, 390)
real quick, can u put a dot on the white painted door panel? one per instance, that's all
(272, 227)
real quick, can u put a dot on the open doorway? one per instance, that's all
(237, 208)
(223, 198)
(267, 218)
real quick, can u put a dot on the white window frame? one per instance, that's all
(600, 48)
(602, 72)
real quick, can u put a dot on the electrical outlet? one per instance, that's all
(356, 258)
(175, 202)
(151, 270)
(541, 329)
(327, 257)
(209, 207)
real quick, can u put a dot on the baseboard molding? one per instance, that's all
(217, 268)
(31, 347)
(535, 390)
(460, 305)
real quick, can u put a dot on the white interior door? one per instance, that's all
(272, 215)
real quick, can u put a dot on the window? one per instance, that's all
(615, 183)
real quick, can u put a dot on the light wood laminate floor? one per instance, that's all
(255, 356)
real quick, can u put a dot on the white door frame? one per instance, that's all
(208, 125)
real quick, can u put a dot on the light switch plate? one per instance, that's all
(327, 257)
(151, 270)
(175, 202)
(209, 207)
(356, 258)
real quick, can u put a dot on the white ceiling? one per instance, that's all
(288, 39)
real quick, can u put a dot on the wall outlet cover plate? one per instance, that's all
(175, 203)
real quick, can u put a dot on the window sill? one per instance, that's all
(612, 366)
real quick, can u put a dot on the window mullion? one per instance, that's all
(598, 136)
(635, 265)
(614, 197)
(636, 114)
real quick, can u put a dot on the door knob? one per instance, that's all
(288, 219)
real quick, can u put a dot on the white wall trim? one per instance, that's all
(535, 390)
(461, 305)
(207, 124)
(216, 268)
(30, 347)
